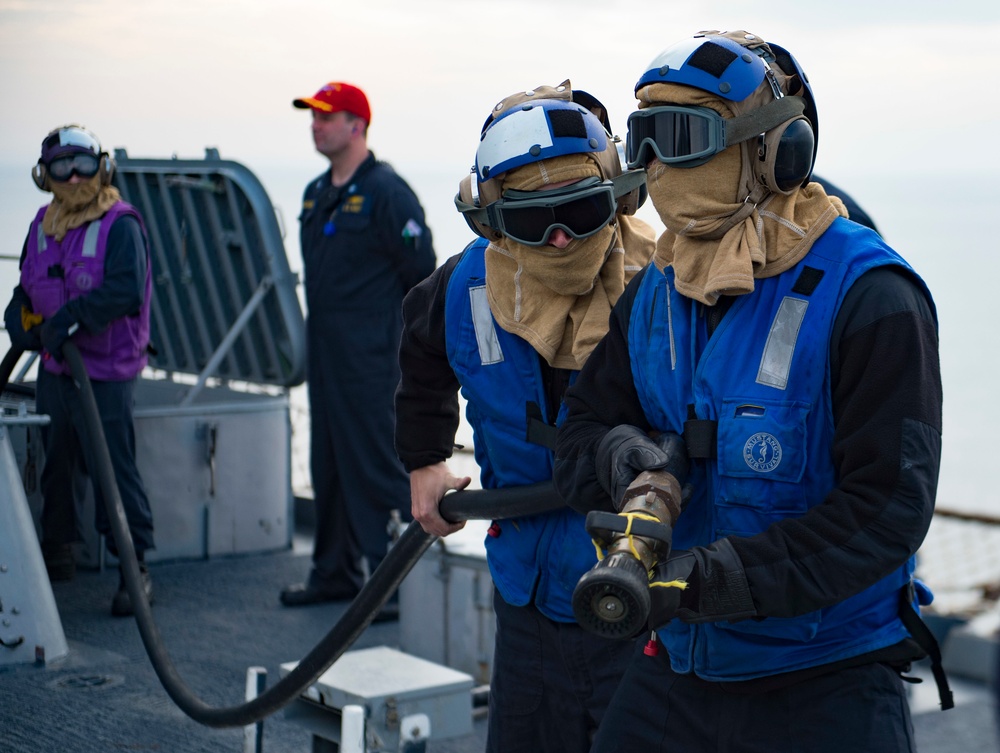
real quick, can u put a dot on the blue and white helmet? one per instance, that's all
(536, 131)
(732, 66)
(537, 125)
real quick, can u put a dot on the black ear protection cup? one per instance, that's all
(467, 200)
(798, 84)
(106, 168)
(39, 174)
(785, 155)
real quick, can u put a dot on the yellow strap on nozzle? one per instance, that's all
(681, 584)
(629, 516)
(600, 552)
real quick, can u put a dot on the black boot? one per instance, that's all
(121, 605)
(59, 561)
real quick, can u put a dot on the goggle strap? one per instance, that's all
(763, 119)
(628, 181)
(471, 211)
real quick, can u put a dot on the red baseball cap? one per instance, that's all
(336, 96)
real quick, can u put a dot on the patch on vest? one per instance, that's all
(83, 281)
(762, 452)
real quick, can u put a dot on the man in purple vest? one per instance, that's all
(85, 278)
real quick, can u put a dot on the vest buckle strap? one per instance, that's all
(700, 437)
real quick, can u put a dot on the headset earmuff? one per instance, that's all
(785, 155)
(468, 203)
(39, 174)
(106, 168)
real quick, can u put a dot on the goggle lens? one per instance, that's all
(83, 164)
(532, 223)
(673, 135)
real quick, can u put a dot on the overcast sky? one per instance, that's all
(906, 93)
(901, 86)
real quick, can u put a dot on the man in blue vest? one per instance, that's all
(85, 278)
(509, 322)
(797, 355)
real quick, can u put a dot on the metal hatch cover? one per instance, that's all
(224, 302)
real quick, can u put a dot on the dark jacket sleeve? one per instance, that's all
(427, 412)
(405, 234)
(124, 286)
(12, 314)
(591, 413)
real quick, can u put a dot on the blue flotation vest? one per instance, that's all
(763, 379)
(538, 558)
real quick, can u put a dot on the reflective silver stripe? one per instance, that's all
(670, 330)
(90, 240)
(42, 245)
(482, 320)
(777, 359)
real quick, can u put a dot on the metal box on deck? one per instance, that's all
(446, 604)
(391, 686)
(212, 416)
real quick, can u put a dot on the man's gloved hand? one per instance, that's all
(16, 318)
(56, 330)
(626, 451)
(716, 587)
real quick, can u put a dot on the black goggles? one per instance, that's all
(679, 136)
(530, 217)
(691, 136)
(84, 164)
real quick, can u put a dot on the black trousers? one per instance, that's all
(357, 478)
(551, 684)
(67, 449)
(861, 709)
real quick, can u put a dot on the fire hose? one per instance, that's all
(477, 504)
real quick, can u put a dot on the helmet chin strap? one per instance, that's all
(757, 195)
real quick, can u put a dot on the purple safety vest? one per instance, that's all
(119, 352)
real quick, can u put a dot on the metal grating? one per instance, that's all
(224, 299)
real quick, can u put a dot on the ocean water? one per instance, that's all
(939, 223)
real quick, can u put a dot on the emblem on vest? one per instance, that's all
(83, 281)
(762, 452)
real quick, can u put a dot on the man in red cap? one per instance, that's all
(364, 245)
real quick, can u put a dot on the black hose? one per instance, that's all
(7, 366)
(456, 507)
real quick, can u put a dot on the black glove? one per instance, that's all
(623, 454)
(717, 587)
(56, 330)
(627, 451)
(24, 339)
